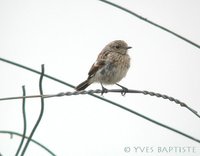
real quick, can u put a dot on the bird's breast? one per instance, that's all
(114, 70)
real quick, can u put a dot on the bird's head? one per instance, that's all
(118, 46)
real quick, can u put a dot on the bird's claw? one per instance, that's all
(124, 91)
(104, 90)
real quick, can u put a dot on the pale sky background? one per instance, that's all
(67, 36)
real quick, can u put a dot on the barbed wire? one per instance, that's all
(83, 92)
(151, 22)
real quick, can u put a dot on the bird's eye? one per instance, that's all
(117, 47)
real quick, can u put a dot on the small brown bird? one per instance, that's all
(110, 67)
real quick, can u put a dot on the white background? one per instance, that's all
(67, 36)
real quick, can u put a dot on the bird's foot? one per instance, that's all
(124, 90)
(104, 90)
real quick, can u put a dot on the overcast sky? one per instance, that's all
(67, 36)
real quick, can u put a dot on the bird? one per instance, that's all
(110, 67)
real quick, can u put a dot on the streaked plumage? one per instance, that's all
(111, 65)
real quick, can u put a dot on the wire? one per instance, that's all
(32, 140)
(24, 120)
(41, 112)
(108, 91)
(109, 101)
(152, 23)
(35, 71)
(147, 118)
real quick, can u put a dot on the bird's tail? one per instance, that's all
(83, 85)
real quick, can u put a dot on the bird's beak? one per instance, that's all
(128, 47)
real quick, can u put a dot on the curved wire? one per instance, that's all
(152, 23)
(41, 113)
(147, 118)
(182, 104)
(32, 140)
(24, 119)
(112, 102)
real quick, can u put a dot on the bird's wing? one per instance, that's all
(95, 67)
(100, 62)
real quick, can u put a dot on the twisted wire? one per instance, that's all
(128, 91)
(83, 92)
(96, 96)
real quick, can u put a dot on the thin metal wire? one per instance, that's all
(91, 92)
(32, 140)
(109, 91)
(101, 98)
(152, 23)
(41, 113)
(24, 121)
(35, 71)
(147, 118)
